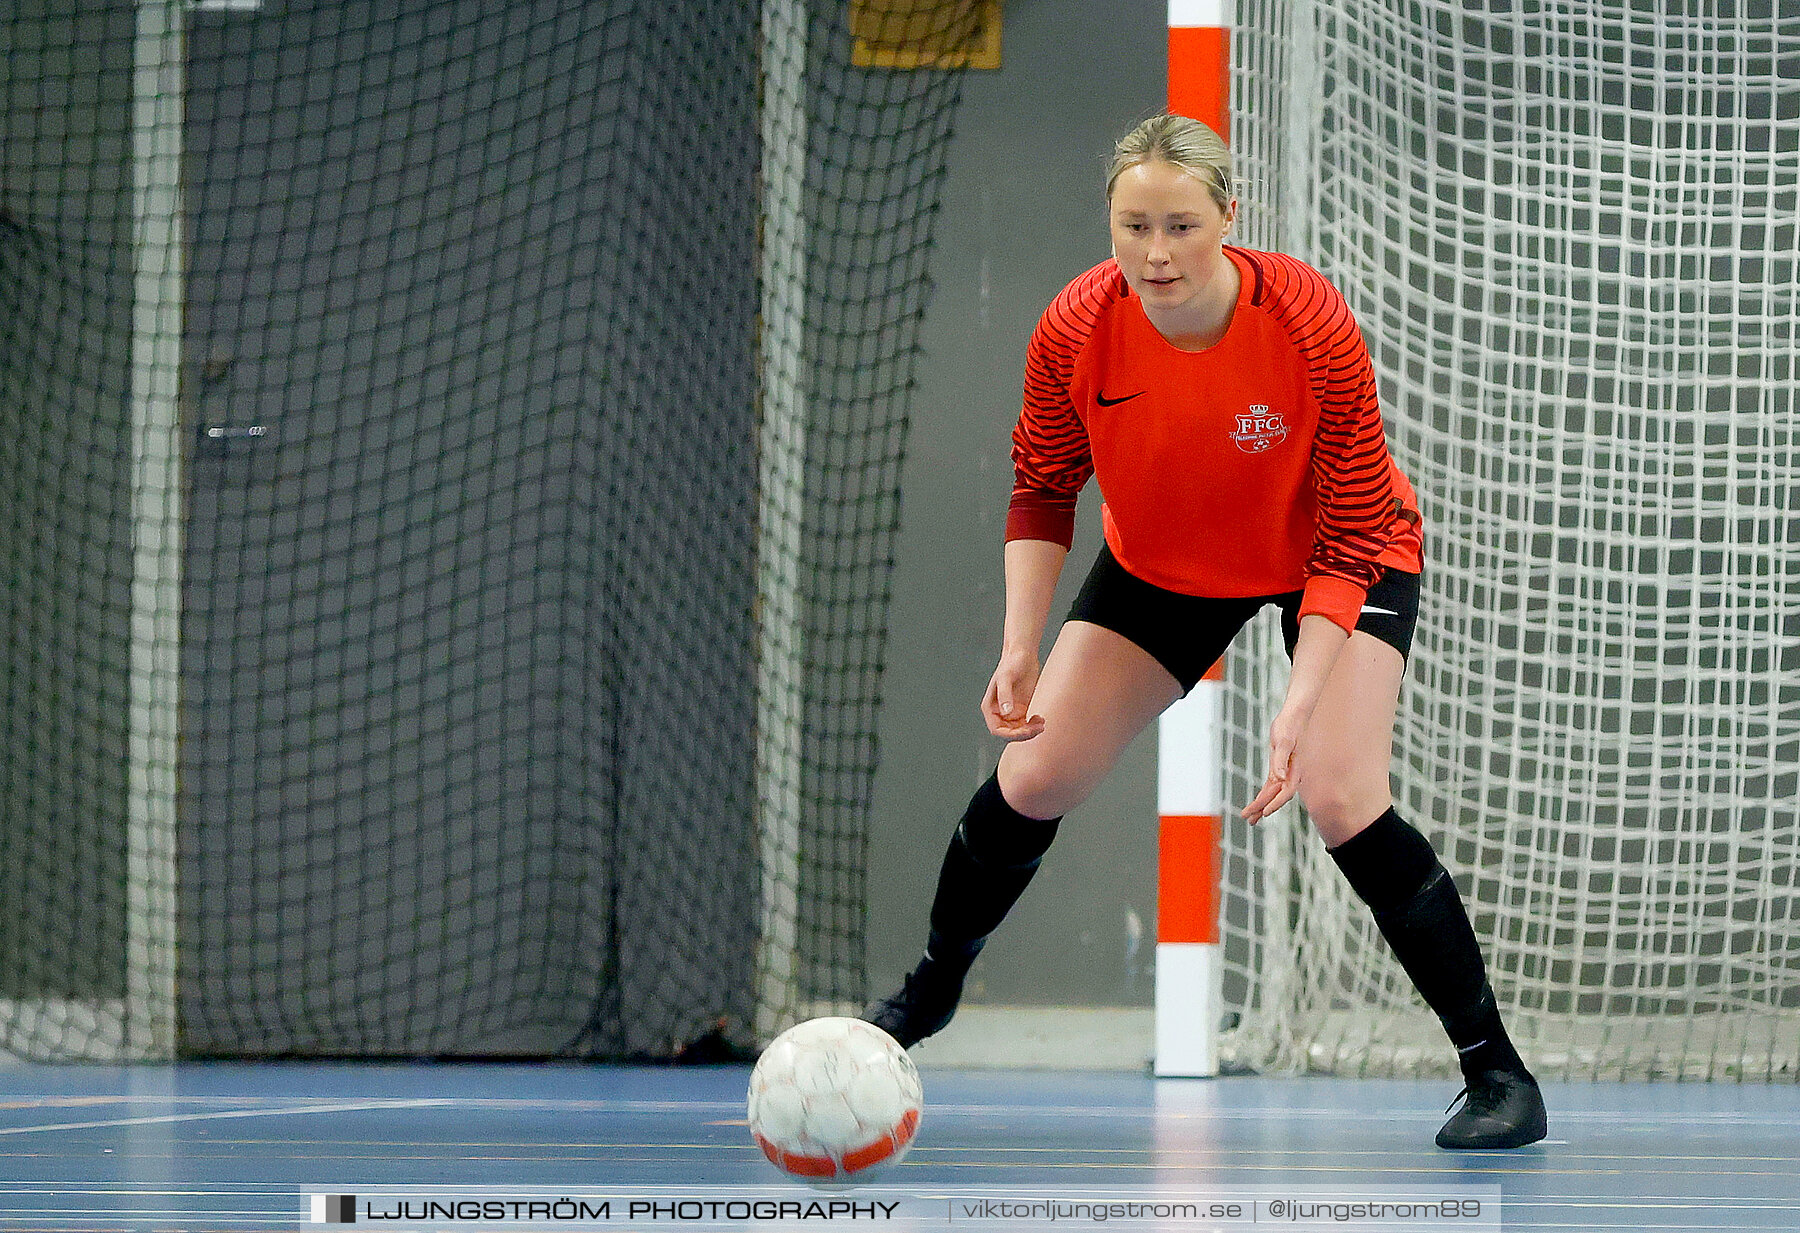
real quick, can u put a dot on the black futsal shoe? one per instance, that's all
(1501, 1108)
(924, 1004)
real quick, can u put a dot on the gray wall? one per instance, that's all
(1022, 214)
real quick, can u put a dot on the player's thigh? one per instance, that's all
(1097, 691)
(1343, 757)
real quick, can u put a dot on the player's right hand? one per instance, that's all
(1006, 706)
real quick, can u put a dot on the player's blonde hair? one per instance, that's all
(1180, 142)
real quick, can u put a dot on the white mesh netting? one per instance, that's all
(1569, 233)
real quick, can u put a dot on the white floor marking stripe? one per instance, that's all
(169, 1118)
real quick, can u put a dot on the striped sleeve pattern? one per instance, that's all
(1052, 460)
(1353, 475)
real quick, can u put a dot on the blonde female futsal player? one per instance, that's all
(1225, 400)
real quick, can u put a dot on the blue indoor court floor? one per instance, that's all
(245, 1146)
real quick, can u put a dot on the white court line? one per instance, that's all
(1171, 1112)
(169, 1118)
(1177, 1112)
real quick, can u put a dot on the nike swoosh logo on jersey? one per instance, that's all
(1380, 611)
(1104, 401)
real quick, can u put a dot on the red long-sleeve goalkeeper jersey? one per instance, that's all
(1255, 467)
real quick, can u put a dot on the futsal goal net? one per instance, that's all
(1570, 234)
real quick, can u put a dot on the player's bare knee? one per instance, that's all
(1038, 787)
(1339, 806)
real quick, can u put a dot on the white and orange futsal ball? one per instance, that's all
(834, 1101)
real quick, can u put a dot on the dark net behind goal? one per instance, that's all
(451, 467)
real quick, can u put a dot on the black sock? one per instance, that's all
(991, 858)
(1393, 868)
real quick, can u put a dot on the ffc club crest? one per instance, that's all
(1259, 429)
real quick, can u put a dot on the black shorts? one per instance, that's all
(1187, 633)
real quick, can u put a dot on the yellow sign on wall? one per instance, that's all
(925, 33)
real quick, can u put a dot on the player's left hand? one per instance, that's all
(1279, 788)
(1006, 706)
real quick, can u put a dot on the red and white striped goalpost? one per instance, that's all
(1190, 744)
(1200, 62)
